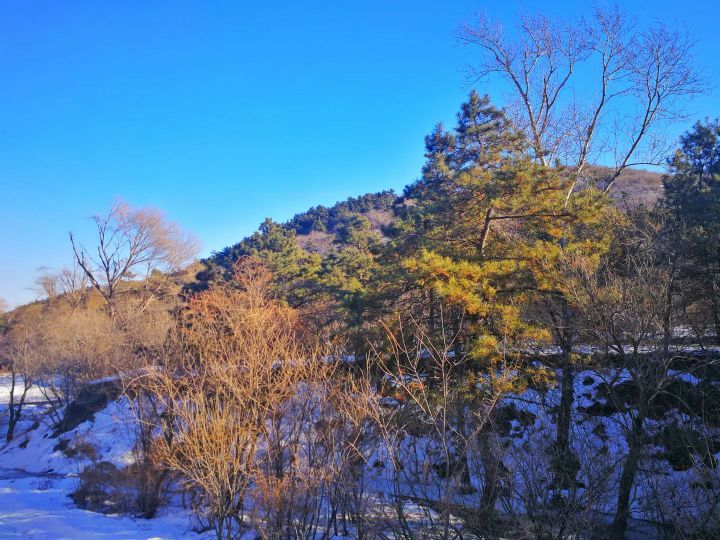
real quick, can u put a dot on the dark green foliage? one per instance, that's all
(684, 446)
(321, 260)
(315, 219)
(323, 219)
(692, 188)
(340, 220)
(276, 245)
(692, 191)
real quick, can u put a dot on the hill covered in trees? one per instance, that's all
(320, 228)
(323, 230)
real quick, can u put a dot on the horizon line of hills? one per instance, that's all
(320, 227)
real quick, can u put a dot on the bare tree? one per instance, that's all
(642, 76)
(132, 244)
(69, 283)
(47, 284)
(632, 305)
(18, 350)
(3, 305)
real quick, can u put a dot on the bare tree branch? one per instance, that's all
(132, 244)
(648, 73)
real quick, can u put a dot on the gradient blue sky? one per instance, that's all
(222, 113)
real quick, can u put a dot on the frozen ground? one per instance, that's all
(37, 507)
(36, 479)
(36, 476)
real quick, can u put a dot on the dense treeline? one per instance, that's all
(322, 219)
(503, 350)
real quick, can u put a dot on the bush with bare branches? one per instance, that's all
(243, 382)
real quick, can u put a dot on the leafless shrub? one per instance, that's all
(538, 499)
(241, 382)
(632, 304)
(687, 501)
(76, 346)
(99, 488)
(438, 455)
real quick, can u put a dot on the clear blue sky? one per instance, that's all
(222, 113)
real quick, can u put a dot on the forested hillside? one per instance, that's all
(321, 229)
(346, 262)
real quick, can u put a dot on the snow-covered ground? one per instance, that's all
(38, 507)
(37, 475)
(36, 479)
(34, 393)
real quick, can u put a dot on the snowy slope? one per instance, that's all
(37, 507)
(37, 475)
(36, 478)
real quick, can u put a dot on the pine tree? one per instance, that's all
(478, 215)
(293, 268)
(466, 250)
(692, 195)
(486, 233)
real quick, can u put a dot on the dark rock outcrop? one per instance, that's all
(93, 397)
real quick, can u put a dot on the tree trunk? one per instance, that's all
(485, 231)
(15, 406)
(11, 410)
(627, 478)
(461, 443)
(11, 428)
(565, 463)
(716, 316)
(491, 465)
(567, 396)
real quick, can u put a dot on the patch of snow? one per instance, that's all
(37, 508)
(34, 393)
